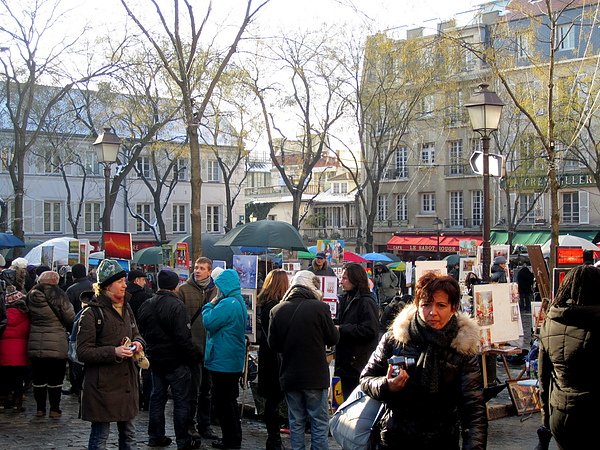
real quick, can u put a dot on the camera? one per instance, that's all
(133, 348)
(400, 362)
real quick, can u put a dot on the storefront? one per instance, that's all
(409, 247)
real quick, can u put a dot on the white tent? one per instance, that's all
(568, 240)
(61, 251)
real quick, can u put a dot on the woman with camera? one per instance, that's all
(433, 386)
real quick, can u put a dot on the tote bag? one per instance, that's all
(353, 422)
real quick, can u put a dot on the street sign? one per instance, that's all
(496, 163)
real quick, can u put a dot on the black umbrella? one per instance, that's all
(8, 240)
(264, 233)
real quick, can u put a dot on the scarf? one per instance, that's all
(202, 284)
(435, 342)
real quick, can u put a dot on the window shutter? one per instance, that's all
(168, 218)
(584, 207)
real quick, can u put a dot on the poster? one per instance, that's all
(467, 247)
(167, 255)
(466, 265)
(291, 268)
(219, 263)
(83, 254)
(333, 249)
(47, 257)
(249, 296)
(247, 268)
(496, 310)
(329, 287)
(423, 267)
(182, 256)
(73, 255)
(117, 245)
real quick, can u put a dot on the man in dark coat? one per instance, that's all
(165, 326)
(136, 286)
(320, 267)
(81, 283)
(525, 280)
(300, 329)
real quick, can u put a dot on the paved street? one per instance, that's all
(24, 431)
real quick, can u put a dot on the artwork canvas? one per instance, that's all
(537, 316)
(525, 397)
(467, 247)
(219, 263)
(47, 257)
(249, 296)
(329, 287)
(423, 267)
(74, 253)
(333, 249)
(466, 265)
(247, 268)
(494, 311)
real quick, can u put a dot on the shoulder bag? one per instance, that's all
(352, 424)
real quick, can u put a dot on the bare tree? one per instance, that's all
(36, 57)
(195, 71)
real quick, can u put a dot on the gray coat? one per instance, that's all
(49, 324)
(110, 384)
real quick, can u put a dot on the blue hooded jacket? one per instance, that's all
(225, 325)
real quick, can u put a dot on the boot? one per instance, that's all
(54, 394)
(39, 394)
(18, 403)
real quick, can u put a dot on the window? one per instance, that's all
(179, 219)
(143, 210)
(5, 158)
(52, 217)
(477, 207)
(522, 46)
(213, 172)
(455, 157)
(399, 164)
(91, 217)
(456, 209)
(428, 203)
(565, 37)
(213, 219)
(51, 161)
(427, 106)
(428, 153)
(143, 167)
(340, 188)
(526, 208)
(401, 207)
(382, 207)
(575, 207)
(92, 166)
(181, 169)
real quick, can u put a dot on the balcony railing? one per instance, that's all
(277, 190)
(314, 234)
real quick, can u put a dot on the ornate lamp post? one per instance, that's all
(107, 145)
(438, 223)
(484, 109)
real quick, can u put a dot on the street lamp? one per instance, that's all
(107, 146)
(484, 109)
(438, 223)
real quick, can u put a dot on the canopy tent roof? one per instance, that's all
(537, 237)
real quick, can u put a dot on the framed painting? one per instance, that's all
(524, 395)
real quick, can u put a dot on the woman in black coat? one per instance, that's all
(568, 360)
(275, 285)
(358, 323)
(437, 390)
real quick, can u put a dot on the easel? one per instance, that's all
(503, 352)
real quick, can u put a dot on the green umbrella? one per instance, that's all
(399, 266)
(148, 255)
(306, 255)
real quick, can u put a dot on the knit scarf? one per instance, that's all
(203, 284)
(435, 342)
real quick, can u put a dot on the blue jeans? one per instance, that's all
(308, 404)
(99, 435)
(180, 381)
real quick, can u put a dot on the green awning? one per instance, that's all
(536, 237)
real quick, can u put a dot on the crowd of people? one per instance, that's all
(128, 348)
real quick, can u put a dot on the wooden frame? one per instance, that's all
(525, 398)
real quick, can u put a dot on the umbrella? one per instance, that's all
(246, 249)
(398, 266)
(60, 253)
(148, 255)
(568, 240)
(451, 260)
(353, 257)
(393, 257)
(8, 240)
(264, 233)
(376, 257)
(306, 255)
(312, 248)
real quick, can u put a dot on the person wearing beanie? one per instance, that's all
(107, 340)
(499, 270)
(198, 290)
(165, 326)
(304, 373)
(136, 287)
(225, 318)
(51, 315)
(319, 266)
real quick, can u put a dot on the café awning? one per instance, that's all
(428, 243)
(536, 237)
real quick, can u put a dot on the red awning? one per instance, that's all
(428, 243)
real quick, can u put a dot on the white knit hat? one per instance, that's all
(216, 272)
(309, 280)
(21, 263)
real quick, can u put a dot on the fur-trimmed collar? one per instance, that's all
(465, 342)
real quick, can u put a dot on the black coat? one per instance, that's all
(358, 320)
(416, 419)
(300, 328)
(165, 326)
(75, 290)
(268, 361)
(138, 296)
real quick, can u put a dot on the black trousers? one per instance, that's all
(225, 394)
